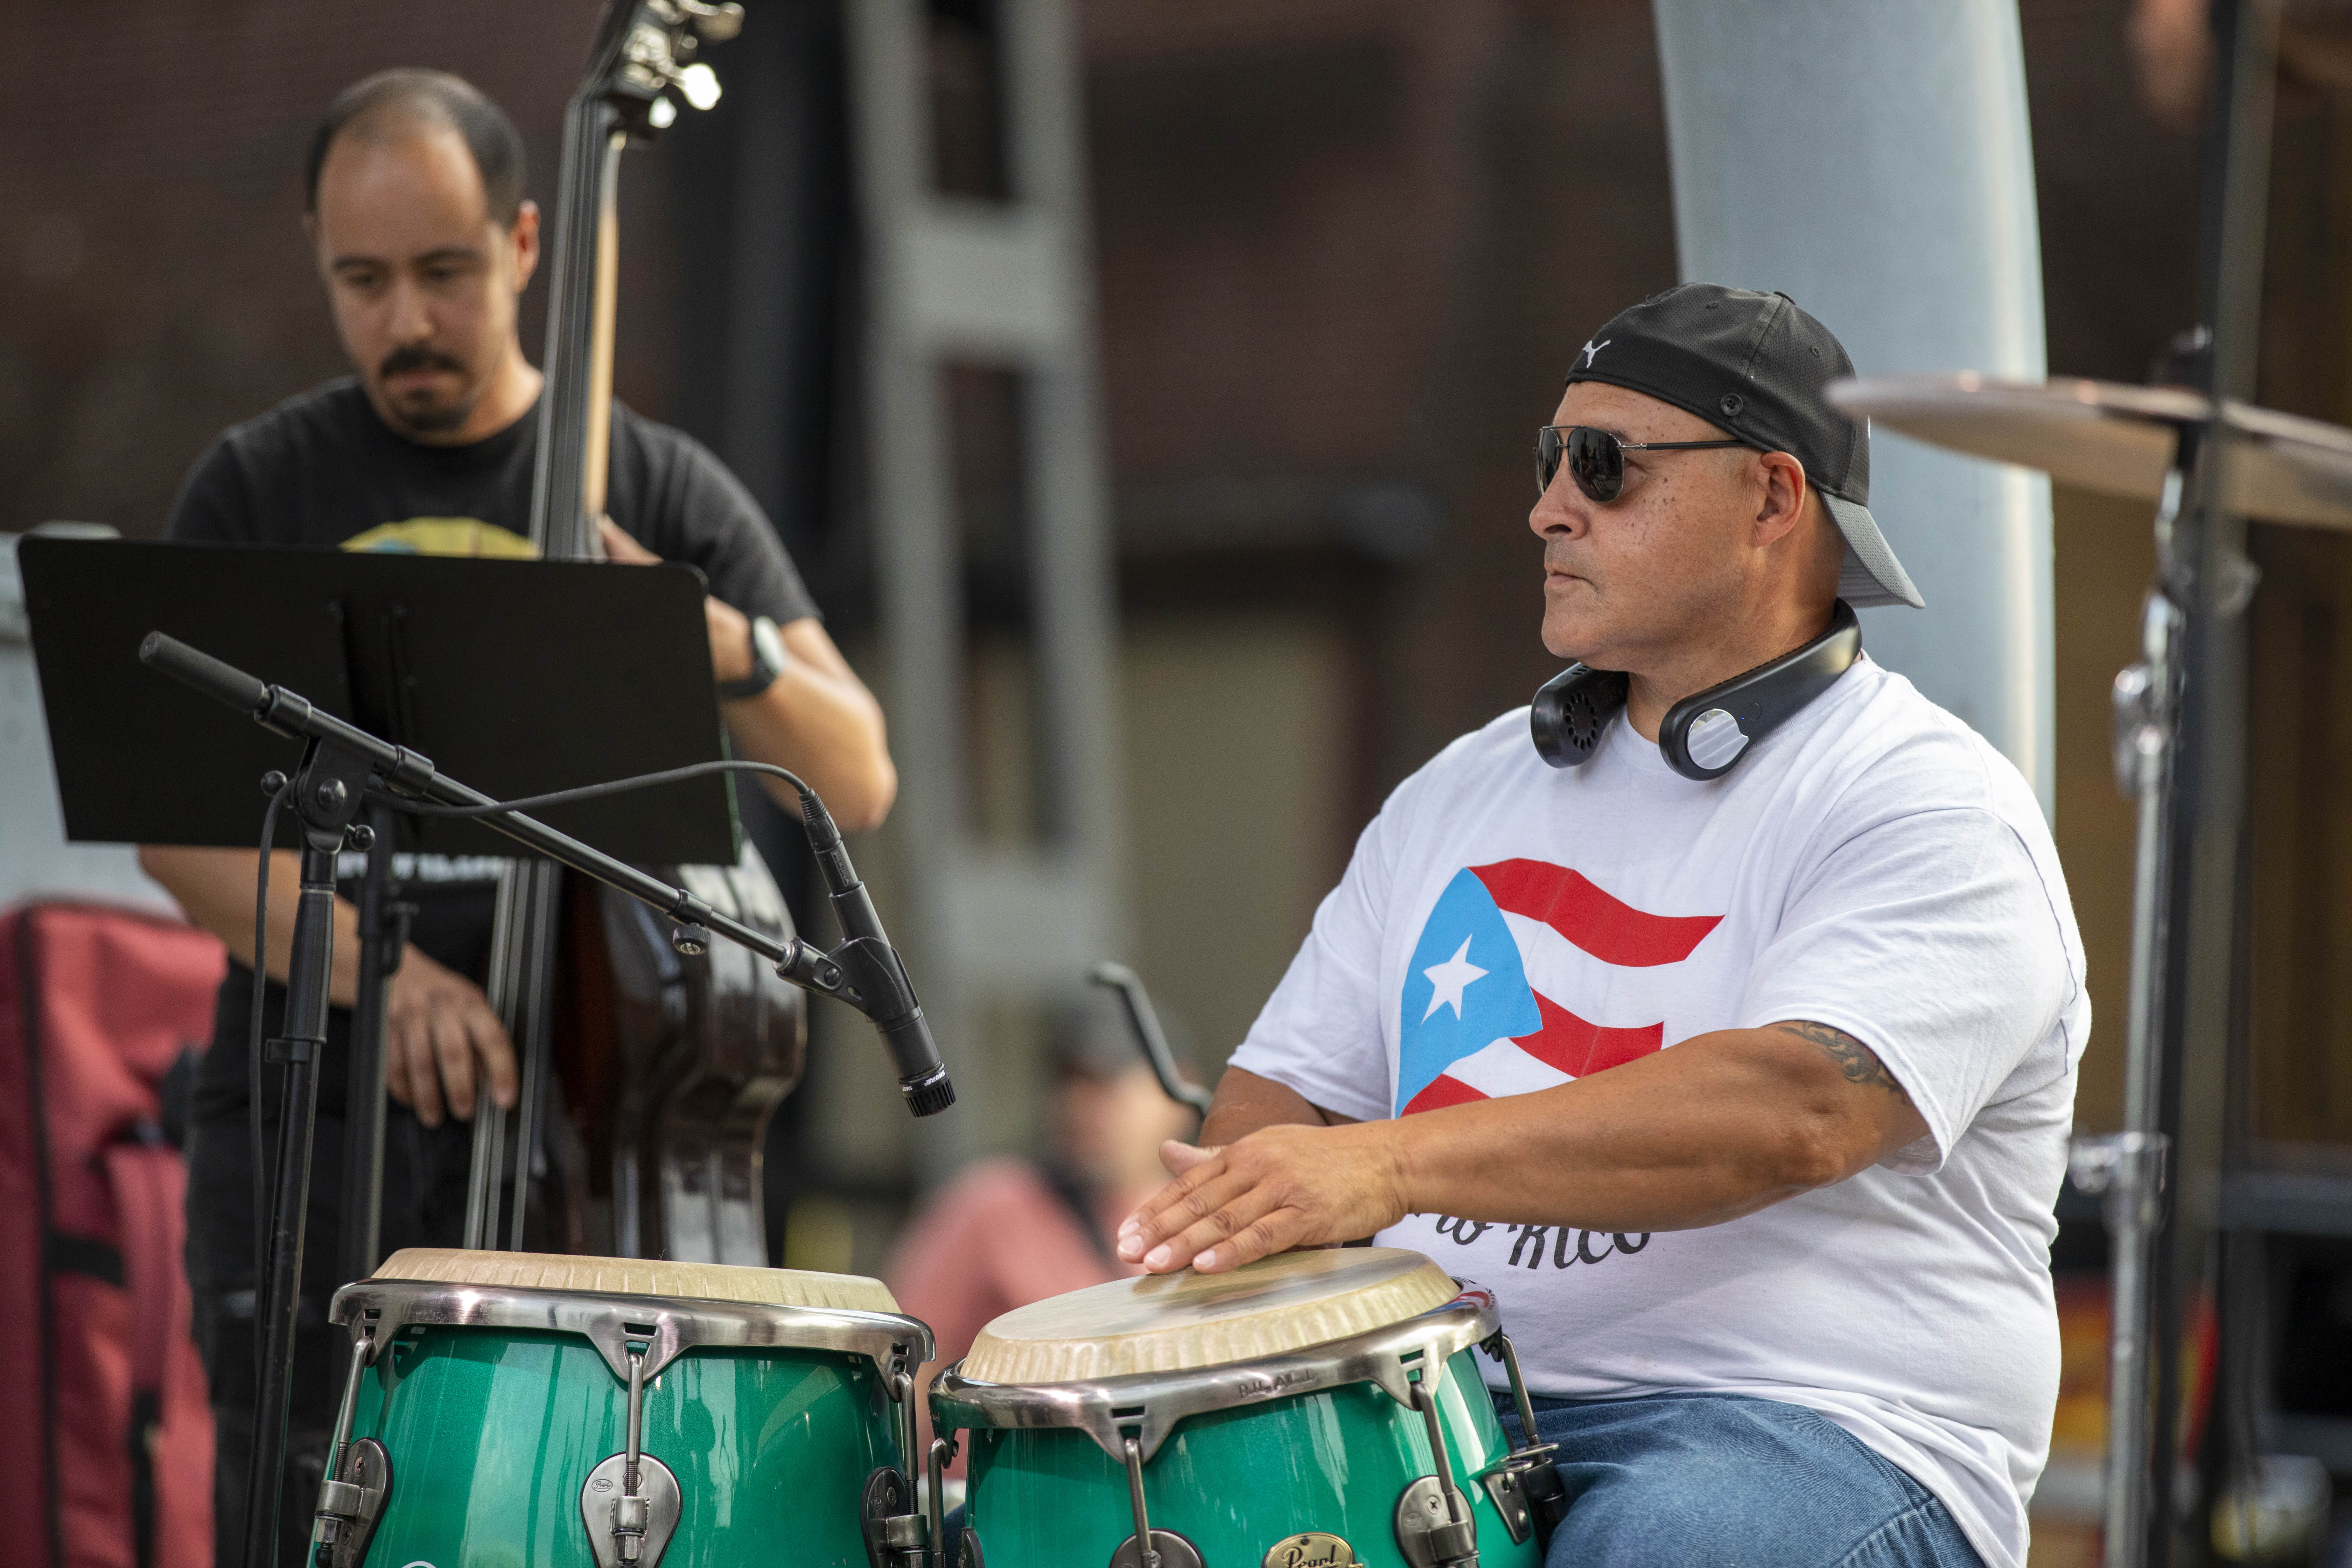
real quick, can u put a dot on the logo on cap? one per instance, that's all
(1592, 348)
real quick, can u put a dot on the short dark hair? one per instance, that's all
(436, 96)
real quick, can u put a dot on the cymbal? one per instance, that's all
(2116, 439)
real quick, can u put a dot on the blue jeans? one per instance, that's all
(1714, 1481)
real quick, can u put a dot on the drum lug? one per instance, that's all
(350, 1505)
(359, 1476)
(1169, 1550)
(1538, 1499)
(1510, 1499)
(896, 1536)
(942, 1455)
(1435, 1526)
(626, 1529)
(1166, 1549)
(631, 1502)
(1541, 1489)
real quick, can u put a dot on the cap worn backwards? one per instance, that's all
(1754, 366)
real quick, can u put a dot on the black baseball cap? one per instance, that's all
(1754, 366)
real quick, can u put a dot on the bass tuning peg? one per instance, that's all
(716, 23)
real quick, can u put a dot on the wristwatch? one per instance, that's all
(767, 662)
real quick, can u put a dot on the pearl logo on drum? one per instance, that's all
(1309, 1549)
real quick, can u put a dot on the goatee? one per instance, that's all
(425, 415)
(433, 419)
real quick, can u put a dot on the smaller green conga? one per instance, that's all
(1320, 1408)
(527, 1411)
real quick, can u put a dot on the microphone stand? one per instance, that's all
(384, 937)
(345, 767)
(329, 790)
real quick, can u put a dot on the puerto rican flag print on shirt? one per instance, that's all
(1510, 960)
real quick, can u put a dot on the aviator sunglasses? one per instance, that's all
(1596, 460)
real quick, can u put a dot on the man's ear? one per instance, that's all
(524, 237)
(1782, 504)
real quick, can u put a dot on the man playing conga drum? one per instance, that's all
(1747, 1094)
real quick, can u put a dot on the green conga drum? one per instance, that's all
(515, 1410)
(1319, 1408)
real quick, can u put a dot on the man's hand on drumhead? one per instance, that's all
(1281, 1187)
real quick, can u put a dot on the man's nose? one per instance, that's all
(1559, 510)
(411, 322)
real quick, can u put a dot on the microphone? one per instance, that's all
(222, 682)
(872, 964)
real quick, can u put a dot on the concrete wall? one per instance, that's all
(1871, 159)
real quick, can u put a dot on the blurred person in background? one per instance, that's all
(1009, 1231)
(424, 246)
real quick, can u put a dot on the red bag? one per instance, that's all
(114, 1467)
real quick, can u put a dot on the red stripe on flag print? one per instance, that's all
(1580, 1049)
(1442, 1092)
(1608, 928)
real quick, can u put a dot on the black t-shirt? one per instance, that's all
(323, 469)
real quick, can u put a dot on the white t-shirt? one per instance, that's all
(1872, 865)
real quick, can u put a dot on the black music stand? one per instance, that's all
(528, 676)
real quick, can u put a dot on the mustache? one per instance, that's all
(416, 356)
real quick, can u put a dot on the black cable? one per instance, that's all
(261, 1184)
(590, 792)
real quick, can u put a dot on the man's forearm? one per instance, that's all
(215, 888)
(830, 736)
(818, 719)
(1245, 1102)
(815, 717)
(1720, 1126)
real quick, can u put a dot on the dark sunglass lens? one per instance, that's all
(1546, 459)
(1596, 463)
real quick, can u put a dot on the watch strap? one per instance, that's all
(764, 669)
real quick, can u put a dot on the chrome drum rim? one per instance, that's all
(1147, 1405)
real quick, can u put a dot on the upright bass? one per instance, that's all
(648, 1075)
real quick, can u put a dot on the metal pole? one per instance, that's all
(308, 974)
(2210, 580)
(363, 1101)
(2181, 747)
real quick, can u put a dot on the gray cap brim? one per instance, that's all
(1870, 574)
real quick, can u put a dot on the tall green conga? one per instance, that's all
(514, 1410)
(1317, 1408)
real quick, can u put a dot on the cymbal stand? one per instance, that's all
(2180, 749)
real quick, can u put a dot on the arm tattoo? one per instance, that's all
(1857, 1061)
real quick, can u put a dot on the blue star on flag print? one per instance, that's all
(1472, 1025)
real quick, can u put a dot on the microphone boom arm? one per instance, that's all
(865, 972)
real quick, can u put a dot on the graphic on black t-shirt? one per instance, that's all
(323, 469)
(445, 536)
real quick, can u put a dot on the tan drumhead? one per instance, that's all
(640, 1276)
(1176, 1322)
